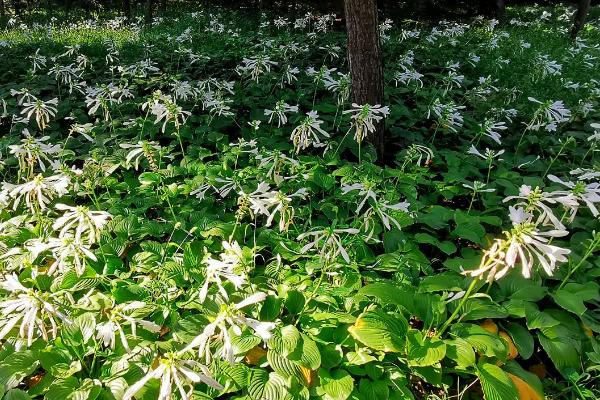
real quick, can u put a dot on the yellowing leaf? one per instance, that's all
(512, 350)
(308, 376)
(526, 391)
(254, 355)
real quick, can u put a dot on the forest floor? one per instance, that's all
(189, 208)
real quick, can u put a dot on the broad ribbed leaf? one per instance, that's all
(380, 331)
(337, 385)
(495, 383)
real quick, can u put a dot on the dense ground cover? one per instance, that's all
(188, 209)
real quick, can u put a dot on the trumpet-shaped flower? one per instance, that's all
(42, 110)
(119, 315)
(230, 317)
(36, 311)
(364, 119)
(175, 372)
(37, 193)
(68, 252)
(307, 132)
(82, 221)
(524, 244)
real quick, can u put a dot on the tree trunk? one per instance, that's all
(149, 6)
(2, 10)
(127, 8)
(500, 8)
(365, 59)
(583, 7)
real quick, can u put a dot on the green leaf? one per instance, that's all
(430, 308)
(16, 394)
(283, 366)
(62, 389)
(522, 339)
(15, 367)
(495, 383)
(380, 331)
(373, 390)
(572, 296)
(285, 340)
(461, 352)
(538, 319)
(149, 178)
(294, 301)
(424, 351)
(263, 385)
(337, 385)
(62, 370)
(468, 227)
(436, 217)
(484, 342)
(446, 246)
(563, 354)
(307, 353)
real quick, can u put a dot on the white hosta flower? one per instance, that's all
(478, 187)
(104, 97)
(36, 193)
(364, 119)
(38, 61)
(280, 110)
(42, 110)
(447, 115)
(68, 252)
(106, 332)
(408, 76)
(276, 161)
(537, 200)
(548, 115)
(420, 155)
(81, 221)
(142, 149)
(492, 130)
(230, 318)
(327, 242)
(33, 151)
(587, 193)
(487, 155)
(36, 311)
(270, 203)
(228, 268)
(23, 95)
(546, 66)
(175, 373)
(166, 110)
(375, 207)
(255, 67)
(341, 86)
(525, 244)
(307, 133)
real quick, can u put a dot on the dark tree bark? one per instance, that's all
(365, 59)
(127, 8)
(149, 10)
(583, 6)
(500, 7)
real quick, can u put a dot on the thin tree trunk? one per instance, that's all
(127, 8)
(2, 10)
(500, 8)
(583, 7)
(149, 10)
(365, 59)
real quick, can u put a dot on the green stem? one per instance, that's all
(593, 246)
(458, 308)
